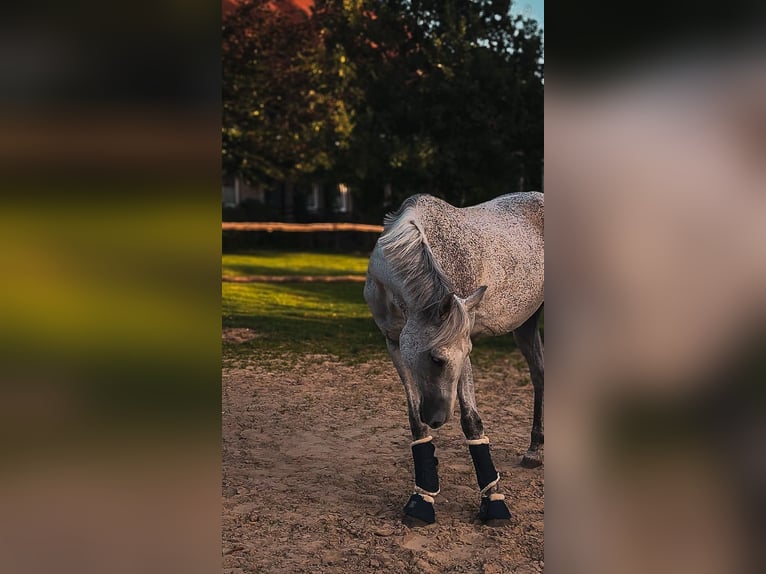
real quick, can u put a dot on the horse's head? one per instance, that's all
(434, 344)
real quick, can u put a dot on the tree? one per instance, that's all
(452, 99)
(437, 96)
(284, 113)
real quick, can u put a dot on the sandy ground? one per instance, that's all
(317, 468)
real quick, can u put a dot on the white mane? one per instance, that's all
(405, 247)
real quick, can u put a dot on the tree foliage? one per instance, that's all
(284, 109)
(437, 96)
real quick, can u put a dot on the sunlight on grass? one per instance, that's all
(325, 301)
(326, 318)
(286, 263)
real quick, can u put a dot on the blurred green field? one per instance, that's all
(109, 316)
(322, 318)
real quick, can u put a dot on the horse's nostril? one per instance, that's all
(434, 414)
(436, 419)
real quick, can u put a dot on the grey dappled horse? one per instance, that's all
(438, 277)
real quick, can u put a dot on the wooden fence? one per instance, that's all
(299, 227)
(336, 236)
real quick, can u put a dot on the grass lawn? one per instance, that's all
(327, 318)
(323, 318)
(288, 263)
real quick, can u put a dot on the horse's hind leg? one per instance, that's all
(419, 509)
(528, 339)
(492, 509)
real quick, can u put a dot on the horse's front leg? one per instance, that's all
(419, 510)
(492, 509)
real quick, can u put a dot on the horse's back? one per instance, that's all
(501, 245)
(526, 207)
(498, 243)
(506, 231)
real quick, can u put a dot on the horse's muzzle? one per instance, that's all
(434, 413)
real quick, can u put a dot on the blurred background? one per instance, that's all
(655, 148)
(110, 307)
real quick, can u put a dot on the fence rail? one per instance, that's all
(294, 279)
(299, 227)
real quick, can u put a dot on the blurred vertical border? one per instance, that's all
(110, 306)
(655, 154)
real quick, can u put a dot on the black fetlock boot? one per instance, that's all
(419, 510)
(493, 509)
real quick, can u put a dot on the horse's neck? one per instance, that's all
(451, 249)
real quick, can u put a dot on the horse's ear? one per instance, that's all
(445, 306)
(474, 298)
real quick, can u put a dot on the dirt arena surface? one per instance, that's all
(317, 467)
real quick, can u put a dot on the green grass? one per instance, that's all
(327, 318)
(322, 318)
(330, 318)
(287, 263)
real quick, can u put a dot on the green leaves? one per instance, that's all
(438, 96)
(283, 106)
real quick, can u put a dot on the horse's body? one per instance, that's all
(498, 244)
(441, 275)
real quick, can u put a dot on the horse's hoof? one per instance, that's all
(418, 512)
(412, 522)
(532, 460)
(494, 512)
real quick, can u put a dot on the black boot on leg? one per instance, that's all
(419, 510)
(493, 510)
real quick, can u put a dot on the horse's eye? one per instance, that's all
(438, 361)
